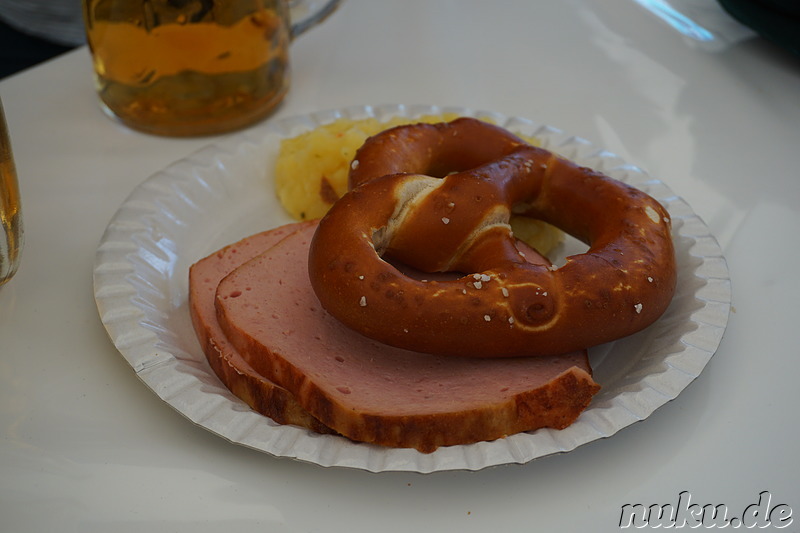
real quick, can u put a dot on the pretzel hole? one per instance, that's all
(420, 275)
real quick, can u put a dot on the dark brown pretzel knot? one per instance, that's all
(502, 305)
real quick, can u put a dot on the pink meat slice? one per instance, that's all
(374, 393)
(261, 394)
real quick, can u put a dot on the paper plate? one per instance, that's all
(225, 192)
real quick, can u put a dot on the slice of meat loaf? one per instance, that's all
(259, 393)
(374, 393)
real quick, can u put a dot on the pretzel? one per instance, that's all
(438, 198)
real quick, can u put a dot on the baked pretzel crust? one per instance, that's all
(438, 198)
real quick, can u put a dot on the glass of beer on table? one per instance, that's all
(10, 208)
(194, 67)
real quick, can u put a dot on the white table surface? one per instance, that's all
(85, 446)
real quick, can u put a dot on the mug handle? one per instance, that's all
(305, 14)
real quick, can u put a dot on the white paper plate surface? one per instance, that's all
(225, 192)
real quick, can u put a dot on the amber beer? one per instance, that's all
(189, 67)
(10, 210)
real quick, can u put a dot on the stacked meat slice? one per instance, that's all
(268, 339)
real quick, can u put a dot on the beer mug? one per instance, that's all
(10, 209)
(194, 67)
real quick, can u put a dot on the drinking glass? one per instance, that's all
(10, 209)
(194, 67)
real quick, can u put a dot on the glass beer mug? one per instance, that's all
(194, 67)
(10, 208)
